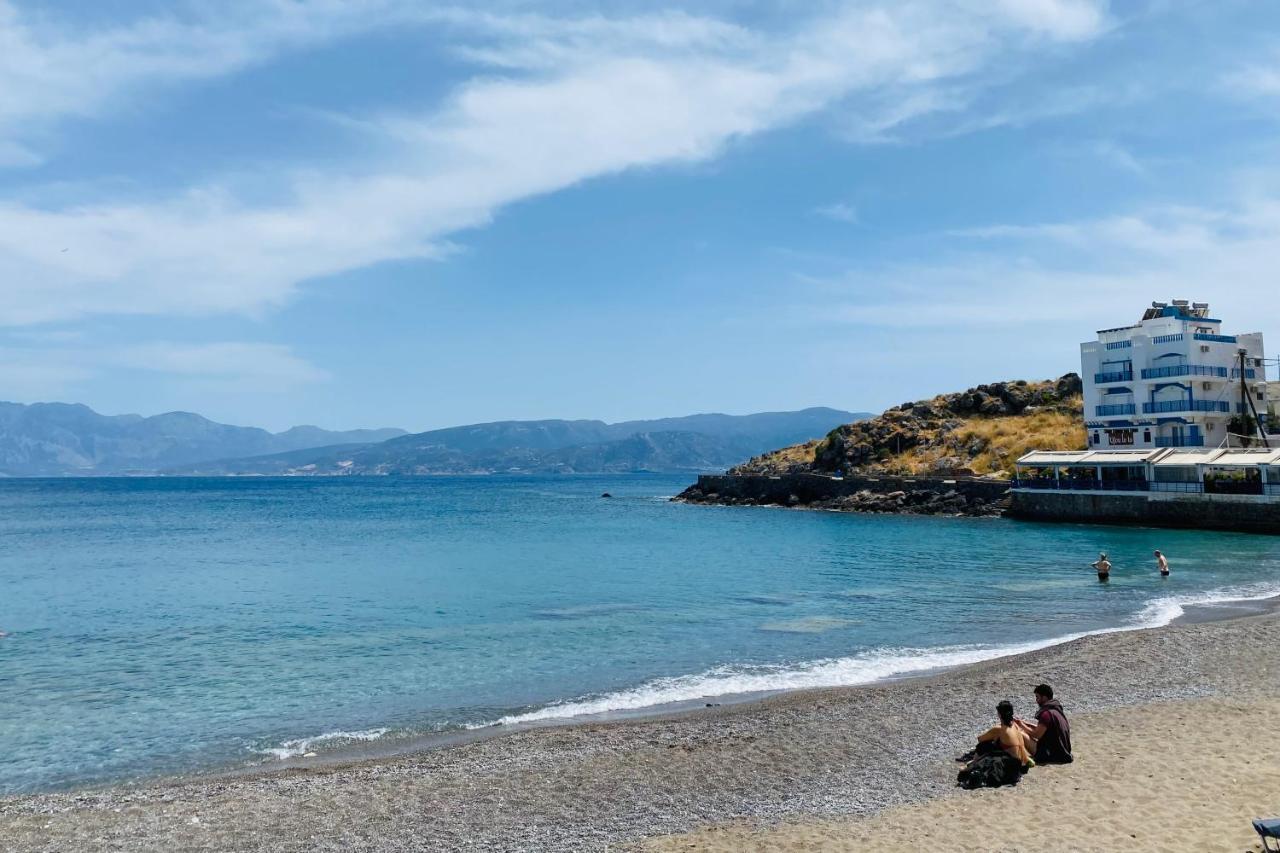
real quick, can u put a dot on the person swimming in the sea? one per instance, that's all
(1103, 567)
(1162, 564)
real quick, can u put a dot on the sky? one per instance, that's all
(364, 213)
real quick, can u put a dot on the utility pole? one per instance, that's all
(1246, 397)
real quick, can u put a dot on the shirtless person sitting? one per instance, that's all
(1010, 737)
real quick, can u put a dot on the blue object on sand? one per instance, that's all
(1269, 831)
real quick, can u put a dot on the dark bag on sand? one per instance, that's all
(990, 771)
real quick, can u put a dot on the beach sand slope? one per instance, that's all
(1185, 776)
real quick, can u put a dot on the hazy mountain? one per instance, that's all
(693, 443)
(53, 439)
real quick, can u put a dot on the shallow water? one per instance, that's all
(170, 625)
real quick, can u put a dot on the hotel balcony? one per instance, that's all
(1114, 409)
(1184, 370)
(1180, 441)
(1185, 406)
(1249, 373)
(1115, 376)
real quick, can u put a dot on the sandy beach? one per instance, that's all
(861, 768)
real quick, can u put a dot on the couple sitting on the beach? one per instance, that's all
(1047, 741)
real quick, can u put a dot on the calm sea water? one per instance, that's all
(170, 625)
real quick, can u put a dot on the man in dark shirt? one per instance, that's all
(1052, 732)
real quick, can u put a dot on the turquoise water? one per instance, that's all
(170, 625)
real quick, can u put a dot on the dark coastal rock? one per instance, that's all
(975, 497)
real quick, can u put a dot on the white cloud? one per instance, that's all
(1257, 79)
(582, 98)
(42, 372)
(840, 211)
(251, 362)
(52, 67)
(1055, 279)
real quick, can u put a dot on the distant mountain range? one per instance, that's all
(58, 439)
(693, 443)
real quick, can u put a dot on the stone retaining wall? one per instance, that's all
(1246, 513)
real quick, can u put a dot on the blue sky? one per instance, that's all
(379, 212)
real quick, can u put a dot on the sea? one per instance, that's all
(162, 626)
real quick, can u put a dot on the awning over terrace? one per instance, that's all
(1090, 458)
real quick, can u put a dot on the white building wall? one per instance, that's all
(1167, 381)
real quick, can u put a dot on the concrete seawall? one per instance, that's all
(1244, 513)
(961, 496)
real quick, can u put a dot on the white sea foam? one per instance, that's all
(1163, 610)
(809, 625)
(864, 668)
(301, 746)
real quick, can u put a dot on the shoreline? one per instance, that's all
(361, 751)
(794, 755)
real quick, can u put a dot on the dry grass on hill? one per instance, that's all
(1004, 439)
(942, 441)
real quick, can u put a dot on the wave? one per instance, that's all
(1163, 610)
(865, 668)
(301, 746)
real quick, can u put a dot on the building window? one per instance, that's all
(1259, 395)
(1209, 426)
(1146, 436)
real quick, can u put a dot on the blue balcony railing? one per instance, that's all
(1185, 406)
(1179, 441)
(1114, 409)
(1221, 339)
(1157, 486)
(1249, 373)
(1184, 370)
(1114, 376)
(1069, 485)
(1119, 344)
(1166, 339)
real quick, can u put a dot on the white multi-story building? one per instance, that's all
(1172, 380)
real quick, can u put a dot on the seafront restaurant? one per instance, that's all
(1222, 471)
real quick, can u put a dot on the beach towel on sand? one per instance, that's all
(990, 771)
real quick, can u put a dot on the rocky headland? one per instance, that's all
(916, 458)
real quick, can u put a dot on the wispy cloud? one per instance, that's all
(840, 211)
(45, 371)
(1060, 277)
(580, 98)
(1258, 79)
(54, 67)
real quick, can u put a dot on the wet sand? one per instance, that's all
(830, 763)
